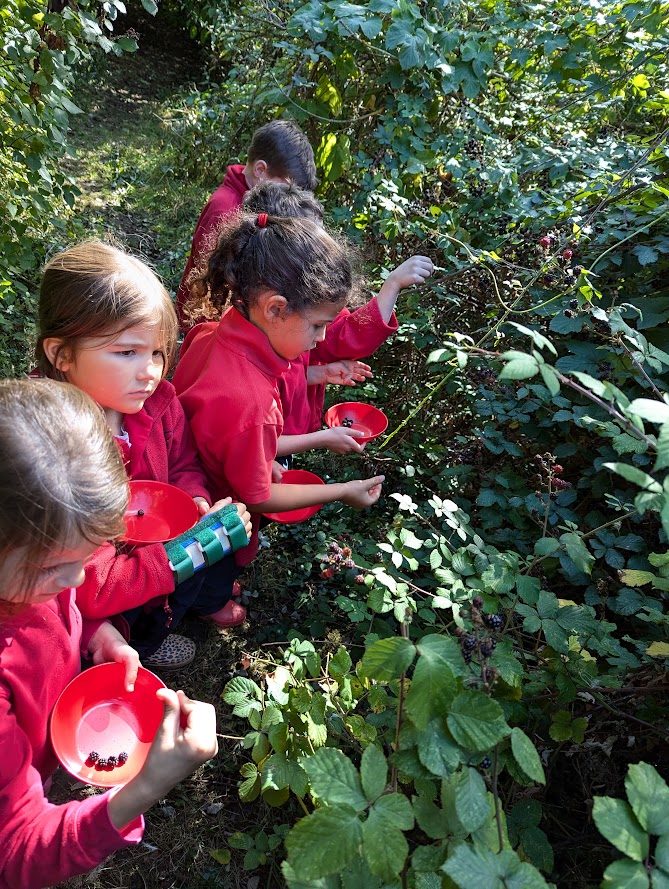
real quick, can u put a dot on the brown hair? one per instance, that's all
(282, 199)
(96, 290)
(292, 256)
(61, 475)
(286, 151)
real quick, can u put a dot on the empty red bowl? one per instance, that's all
(364, 418)
(158, 512)
(95, 713)
(293, 516)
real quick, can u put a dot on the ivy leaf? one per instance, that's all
(615, 820)
(525, 754)
(477, 722)
(334, 779)
(648, 795)
(388, 658)
(373, 771)
(471, 799)
(324, 842)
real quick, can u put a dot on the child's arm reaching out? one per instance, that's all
(360, 494)
(410, 273)
(342, 373)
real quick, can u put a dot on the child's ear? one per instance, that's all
(260, 170)
(273, 306)
(57, 355)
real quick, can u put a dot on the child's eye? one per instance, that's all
(127, 352)
(159, 354)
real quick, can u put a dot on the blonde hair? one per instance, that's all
(61, 475)
(96, 290)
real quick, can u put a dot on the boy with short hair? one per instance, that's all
(279, 151)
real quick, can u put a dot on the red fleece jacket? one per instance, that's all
(226, 199)
(43, 844)
(162, 449)
(351, 335)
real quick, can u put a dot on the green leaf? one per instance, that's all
(373, 771)
(295, 882)
(324, 842)
(648, 795)
(636, 476)
(469, 867)
(525, 754)
(278, 772)
(518, 367)
(650, 409)
(436, 751)
(546, 546)
(388, 658)
(477, 722)
(577, 551)
(625, 874)
(150, 6)
(662, 852)
(615, 820)
(433, 684)
(385, 848)
(334, 779)
(471, 799)
(240, 840)
(223, 856)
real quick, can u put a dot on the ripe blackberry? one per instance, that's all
(347, 422)
(487, 647)
(334, 547)
(101, 763)
(467, 655)
(122, 758)
(577, 270)
(493, 621)
(93, 756)
(468, 642)
(112, 762)
(573, 303)
(486, 763)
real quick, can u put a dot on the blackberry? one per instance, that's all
(349, 563)
(93, 756)
(101, 763)
(347, 422)
(487, 647)
(578, 269)
(486, 763)
(334, 547)
(468, 642)
(122, 758)
(573, 303)
(112, 762)
(477, 602)
(493, 621)
(467, 655)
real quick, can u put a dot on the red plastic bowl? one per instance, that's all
(95, 712)
(167, 511)
(364, 418)
(293, 516)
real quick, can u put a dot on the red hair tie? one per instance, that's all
(262, 220)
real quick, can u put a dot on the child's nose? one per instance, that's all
(149, 370)
(320, 336)
(71, 575)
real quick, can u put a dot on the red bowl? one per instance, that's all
(364, 418)
(293, 516)
(167, 511)
(95, 712)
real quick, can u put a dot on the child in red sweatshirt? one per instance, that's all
(62, 492)
(107, 325)
(279, 151)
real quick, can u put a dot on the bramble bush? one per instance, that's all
(512, 586)
(521, 578)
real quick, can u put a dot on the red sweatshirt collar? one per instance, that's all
(236, 180)
(239, 335)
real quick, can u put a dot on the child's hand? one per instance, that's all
(341, 440)
(107, 645)
(203, 506)
(363, 493)
(414, 271)
(277, 472)
(186, 739)
(345, 372)
(242, 511)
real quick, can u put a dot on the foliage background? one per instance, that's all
(523, 147)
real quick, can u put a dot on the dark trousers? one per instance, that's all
(204, 593)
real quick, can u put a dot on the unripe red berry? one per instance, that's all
(545, 242)
(567, 254)
(359, 578)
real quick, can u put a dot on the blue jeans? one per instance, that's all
(207, 591)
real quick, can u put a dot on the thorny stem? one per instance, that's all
(495, 793)
(639, 367)
(404, 630)
(548, 505)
